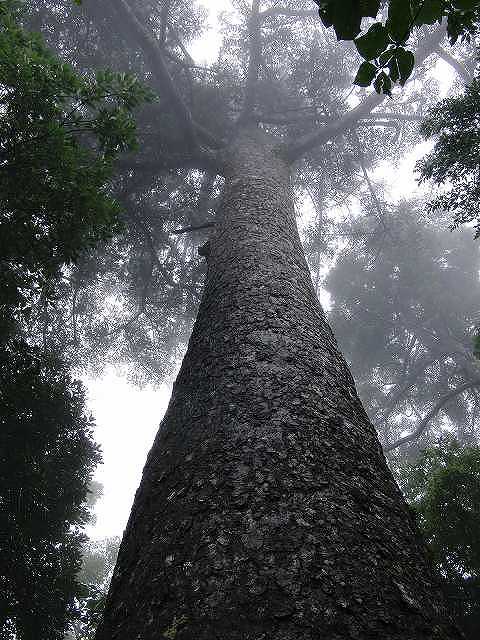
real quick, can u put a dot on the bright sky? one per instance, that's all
(127, 417)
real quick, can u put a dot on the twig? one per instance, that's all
(193, 227)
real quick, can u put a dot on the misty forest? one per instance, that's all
(181, 183)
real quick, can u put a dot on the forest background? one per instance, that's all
(411, 346)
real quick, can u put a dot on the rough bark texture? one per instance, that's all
(266, 508)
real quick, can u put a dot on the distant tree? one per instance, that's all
(443, 487)
(405, 296)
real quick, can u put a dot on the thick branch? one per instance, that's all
(295, 150)
(152, 51)
(288, 13)
(254, 35)
(193, 227)
(454, 63)
(432, 413)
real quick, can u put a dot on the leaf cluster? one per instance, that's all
(59, 135)
(454, 161)
(382, 45)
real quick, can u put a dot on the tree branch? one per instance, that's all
(254, 36)
(301, 14)
(193, 227)
(386, 115)
(454, 63)
(431, 414)
(294, 150)
(153, 52)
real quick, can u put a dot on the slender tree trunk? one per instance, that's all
(266, 508)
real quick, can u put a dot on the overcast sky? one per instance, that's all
(127, 417)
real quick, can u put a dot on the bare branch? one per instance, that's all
(454, 63)
(255, 50)
(330, 131)
(288, 13)
(193, 227)
(294, 150)
(153, 52)
(385, 115)
(431, 414)
(376, 201)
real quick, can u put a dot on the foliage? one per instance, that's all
(454, 161)
(59, 135)
(48, 457)
(382, 46)
(443, 487)
(404, 308)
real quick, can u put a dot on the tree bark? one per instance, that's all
(266, 509)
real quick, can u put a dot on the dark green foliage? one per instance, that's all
(454, 162)
(47, 459)
(59, 134)
(383, 43)
(443, 487)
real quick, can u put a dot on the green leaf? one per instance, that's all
(466, 5)
(344, 15)
(369, 8)
(383, 84)
(373, 43)
(365, 74)
(429, 12)
(399, 20)
(405, 61)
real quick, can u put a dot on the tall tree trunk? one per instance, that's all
(266, 509)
